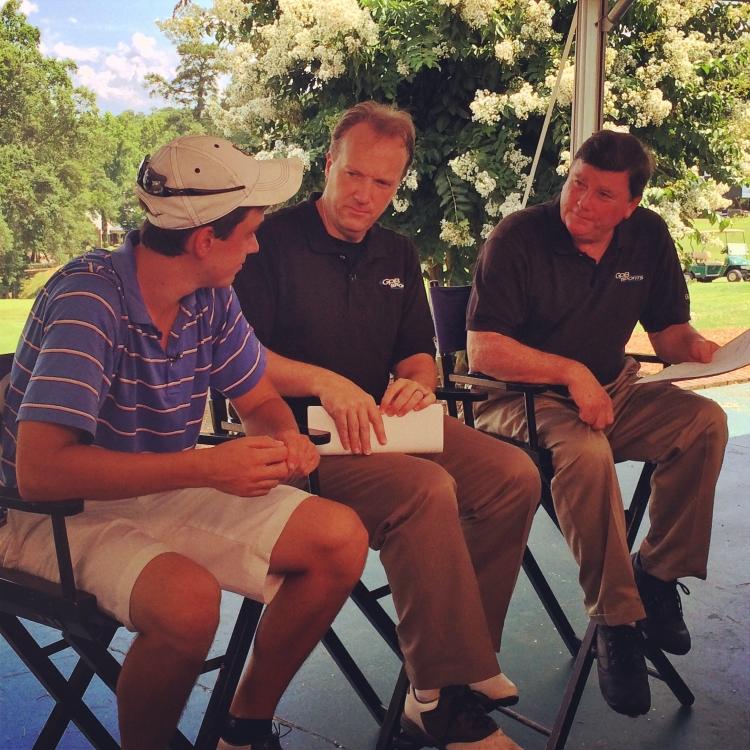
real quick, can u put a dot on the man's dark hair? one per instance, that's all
(613, 151)
(383, 119)
(171, 242)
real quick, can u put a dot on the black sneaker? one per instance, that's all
(457, 718)
(661, 600)
(269, 742)
(623, 678)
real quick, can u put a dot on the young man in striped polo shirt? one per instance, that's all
(105, 402)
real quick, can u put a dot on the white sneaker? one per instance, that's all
(455, 721)
(504, 692)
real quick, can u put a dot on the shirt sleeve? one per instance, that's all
(498, 301)
(255, 287)
(77, 324)
(416, 333)
(668, 302)
(239, 359)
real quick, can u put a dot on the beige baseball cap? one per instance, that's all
(196, 179)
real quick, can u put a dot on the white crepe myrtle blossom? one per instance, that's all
(486, 230)
(411, 181)
(283, 150)
(516, 160)
(476, 13)
(456, 233)
(564, 166)
(487, 107)
(511, 204)
(505, 51)
(465, 166)
(538, 15)
(400, 204)
(484, 183)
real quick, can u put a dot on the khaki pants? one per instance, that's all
(451, 529)
(685, 434)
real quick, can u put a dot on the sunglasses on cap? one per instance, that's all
(156, 184)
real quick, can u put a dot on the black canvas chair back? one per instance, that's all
(449, 314)
(86, 631)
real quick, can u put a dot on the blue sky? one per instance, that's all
(114, 44)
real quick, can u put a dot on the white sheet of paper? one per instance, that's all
(731, 356)
(415, 432)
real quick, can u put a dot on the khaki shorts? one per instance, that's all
(111, 542)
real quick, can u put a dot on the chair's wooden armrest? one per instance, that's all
(317, 437)
(646, 358)
(9, 498)
(479, 380)
(459, 394)
(212, 438)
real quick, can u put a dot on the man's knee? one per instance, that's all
(177, 601)
(344, 546)
(711, 420)
(588, 450)
(322, 537)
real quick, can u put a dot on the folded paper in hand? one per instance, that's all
(731, 356)
(415, 432)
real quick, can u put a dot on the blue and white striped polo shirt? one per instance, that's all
(90, 358)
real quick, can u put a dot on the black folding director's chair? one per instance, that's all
(367, 600)
(449, 314)
(88, 632)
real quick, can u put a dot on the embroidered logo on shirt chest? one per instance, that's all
(624, 276)
(394, 283)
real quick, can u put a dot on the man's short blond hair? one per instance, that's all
(384, 119)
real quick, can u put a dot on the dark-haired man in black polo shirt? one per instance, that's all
(341, 305)
(558, 290)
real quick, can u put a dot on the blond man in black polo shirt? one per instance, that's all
(558, 290)
(341, 305)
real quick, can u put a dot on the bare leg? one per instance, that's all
(175, 607)
(321, 552)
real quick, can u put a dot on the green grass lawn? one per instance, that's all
(13, 314)
(715, 305)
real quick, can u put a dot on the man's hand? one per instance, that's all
(404, 395)
(248, 466)
(353, 410)
(593, 402)
(702, 350)
(302, 458)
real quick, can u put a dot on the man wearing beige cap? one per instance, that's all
(105, 402)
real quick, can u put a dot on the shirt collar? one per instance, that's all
(123, 262)
(124, 265)
(562, 242)
(319, 240)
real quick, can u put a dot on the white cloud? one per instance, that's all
(72, 20)
(118, 76)
(78, 54)
(27, 7)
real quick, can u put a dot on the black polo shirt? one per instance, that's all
(533, 284)
(355, 308)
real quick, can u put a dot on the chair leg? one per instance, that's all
(390, 727)
(573, 691)
(230, 673)
(354, 675)
(58, 720)
(668, 674)
(65, 695)
(549, 600)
